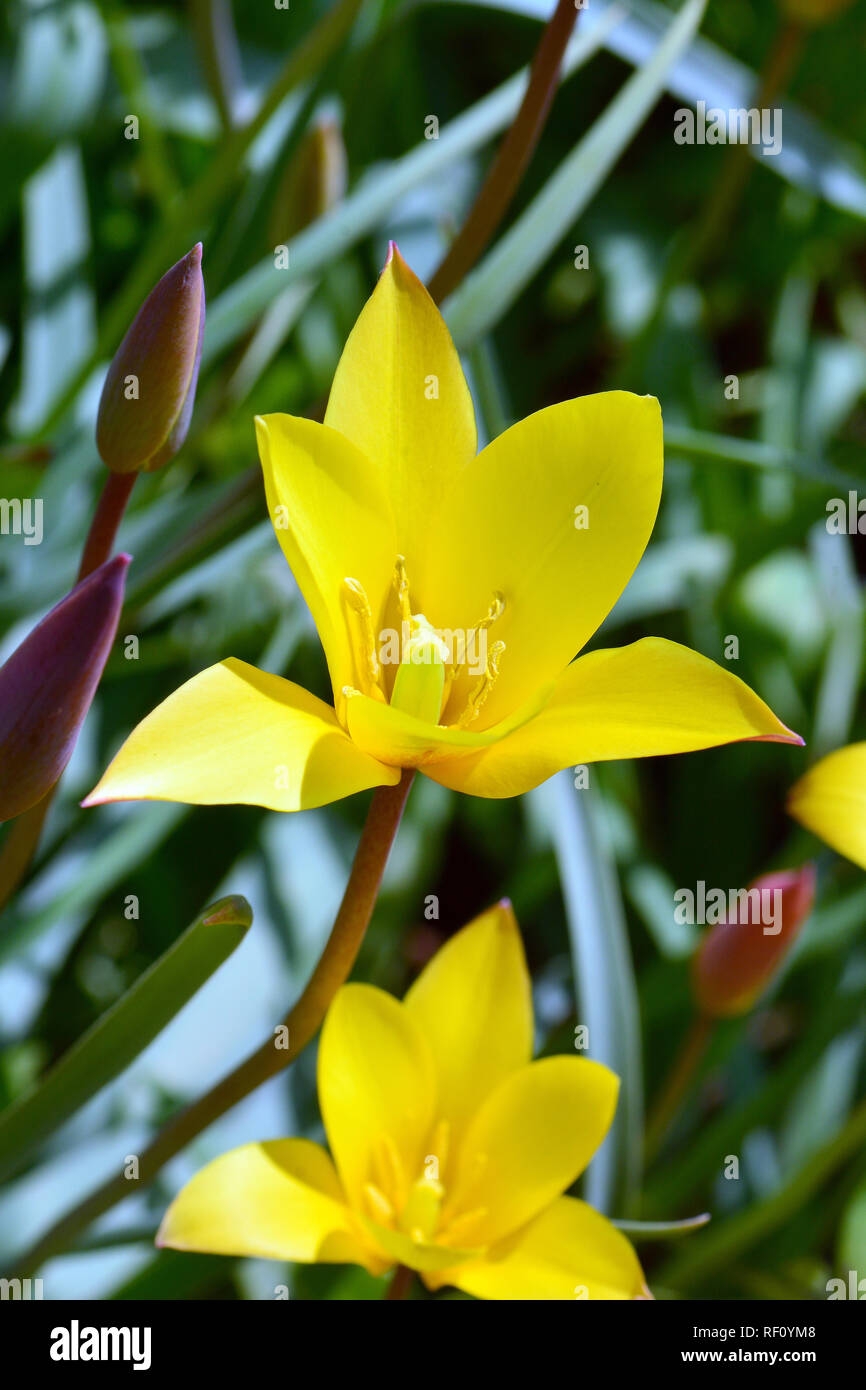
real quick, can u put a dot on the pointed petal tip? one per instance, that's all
(789, 736)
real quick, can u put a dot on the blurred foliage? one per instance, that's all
(776, 300)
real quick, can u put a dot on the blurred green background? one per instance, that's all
(705, 263)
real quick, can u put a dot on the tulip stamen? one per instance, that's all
(378, 1205)
(389, 1171)
(401, 583)
(494, 612)
(478, 696)
(362, 638)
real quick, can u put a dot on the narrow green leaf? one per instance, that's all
(701, 446)
(662, 1230)
(125, 1030)
(811, 156)
(728, 1240)
(604, 975)
(486, 294)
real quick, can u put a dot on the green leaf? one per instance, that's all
(700, 446)
(487, 293)
(317, 246)
(125, 1030)
(811, 157)
(97, 866)
(852, 1233)
(662, 1230)
(604, 975)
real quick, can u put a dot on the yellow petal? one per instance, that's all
(570, 1251)
(377, 1092)
(234, 734)
(279, 1200)
(529, 1141)
(509, 527)
(403, 740)
(638, 701)
(473, 1004)
(333, 520)
(399, 394)
(399, 1248)
(830, 800)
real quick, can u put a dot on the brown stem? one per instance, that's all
(677, 1085)
(401, 1283)
(106, 519)
(282, 1046)
(503, 178)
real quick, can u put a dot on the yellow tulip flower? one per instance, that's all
(830, 800)
(450, 592)
(451, 1147)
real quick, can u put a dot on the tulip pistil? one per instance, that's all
(428, 666)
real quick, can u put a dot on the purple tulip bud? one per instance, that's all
(147, 399)
(48, 683)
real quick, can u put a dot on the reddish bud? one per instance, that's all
(738, 957)
(48, 683)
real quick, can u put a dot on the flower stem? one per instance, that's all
(503, 178)
(677, 1085)
(22, 839)
(401, 1282)
(281, 1047)
(106, 519)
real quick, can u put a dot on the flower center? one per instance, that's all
(430, 662)
(418, 1209)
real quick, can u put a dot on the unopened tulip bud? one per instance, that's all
(48, 683)
(738, 957)
(147, 399)
(314, 182)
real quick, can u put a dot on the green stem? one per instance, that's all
(503, 178)
(678, 1083)
(22, 839)
(214, 28)
(298, 1027)
(132, 80)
